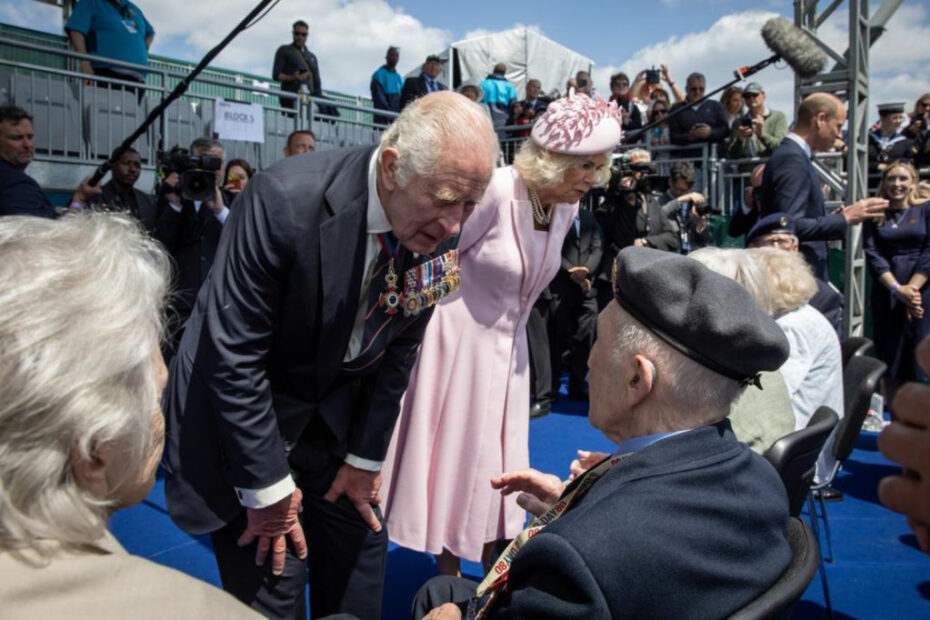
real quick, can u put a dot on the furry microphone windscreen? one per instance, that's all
(794, 46)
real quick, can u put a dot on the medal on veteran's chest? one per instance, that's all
(430, 282)
(391, 298)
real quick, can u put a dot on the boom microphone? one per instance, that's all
(794, 46)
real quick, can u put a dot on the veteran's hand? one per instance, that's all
(538, 491)
(448, 611)
(270, 525)
(907, 441)
(585, 461)
(361, 487)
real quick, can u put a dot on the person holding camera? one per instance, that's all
(621, 93)
(627, 217)
(687, 209)
(190, 220)
(760, 130)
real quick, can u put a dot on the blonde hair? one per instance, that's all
(543, 169)
(738, 265)
(790, 279)
(912, 198)
(80, 319)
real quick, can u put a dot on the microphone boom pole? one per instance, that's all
(180, 89)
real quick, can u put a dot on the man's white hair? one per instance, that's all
(80, 318)
(684, 390)
(443, 124)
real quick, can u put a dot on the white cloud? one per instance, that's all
(32, 15)
(898, 64)
(348, 38)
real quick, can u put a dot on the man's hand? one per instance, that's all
(578, 275)
(538, 491)
(692, 197)
(361, 488)
(86, 192)
(641, 242)
(216, 204)
(907, 441)
(865, 209)
(701, 131)
(448, 611)
(757, 122)
(744, 132)
(585, 461)
(270, 525)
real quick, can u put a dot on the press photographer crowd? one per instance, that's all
(347, 347)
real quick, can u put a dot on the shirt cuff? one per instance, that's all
(262, 498)
(360, 463)
(222, 215)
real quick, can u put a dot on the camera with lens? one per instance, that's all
(745, 121)
(196, 173)
(646, 180)
(652, 76)
(706, 209)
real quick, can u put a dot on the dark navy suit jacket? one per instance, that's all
(20, 194)
(414, 88)
(790, 185)
(263, 351)
(692, 526)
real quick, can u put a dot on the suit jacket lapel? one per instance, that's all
(342, 261)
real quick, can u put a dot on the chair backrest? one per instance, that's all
(860, 380)
(855, 346)
(794, 456)
(779, 600)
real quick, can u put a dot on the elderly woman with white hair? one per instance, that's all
(81, 432)
(814, 370)
(465, 416)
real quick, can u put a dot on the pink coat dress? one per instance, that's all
(465, 415)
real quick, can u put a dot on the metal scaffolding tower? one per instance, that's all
(848, 80)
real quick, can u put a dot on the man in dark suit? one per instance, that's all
(683, 520)
(288, 380)
(790, 183)
(120, 194)
(574, 303)
(425, 83)
(190, 231)
(19, 193)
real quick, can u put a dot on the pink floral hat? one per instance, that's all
(579, 125)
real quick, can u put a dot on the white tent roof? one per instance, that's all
(527, 54)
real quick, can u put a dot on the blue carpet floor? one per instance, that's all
(878, 571)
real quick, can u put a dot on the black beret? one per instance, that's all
(772, 223)
(706, 316)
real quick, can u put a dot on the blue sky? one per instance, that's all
(350, 36)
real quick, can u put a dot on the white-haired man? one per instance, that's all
(289, 376)
(682, 521)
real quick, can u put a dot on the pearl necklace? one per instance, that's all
(540, 214)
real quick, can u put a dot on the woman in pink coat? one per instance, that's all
(465, 416)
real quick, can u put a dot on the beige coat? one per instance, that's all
(104, 581)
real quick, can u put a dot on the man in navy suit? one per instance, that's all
(790, 183)
(287, 382)
(425, 83)
(683, 520)
(19, 193)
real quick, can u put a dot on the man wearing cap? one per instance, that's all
(425, 83)
(758, 132)
(777, 230)
(887, 142)
(790, 183)
(682, 519)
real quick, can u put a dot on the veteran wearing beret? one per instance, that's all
(682, 520)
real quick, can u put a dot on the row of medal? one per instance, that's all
(424, 285)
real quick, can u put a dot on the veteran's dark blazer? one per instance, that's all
(791, 185)
(262, 353)
(414, 88)
(692, 526)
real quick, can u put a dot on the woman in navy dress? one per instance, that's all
(897, 250)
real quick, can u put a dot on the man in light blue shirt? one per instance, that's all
(112, 29)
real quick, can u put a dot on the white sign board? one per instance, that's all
(239, 121)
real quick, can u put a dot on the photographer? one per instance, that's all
(687, 209)
(758, 132)
(627, 217)
(621, 93)
(191, 218)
